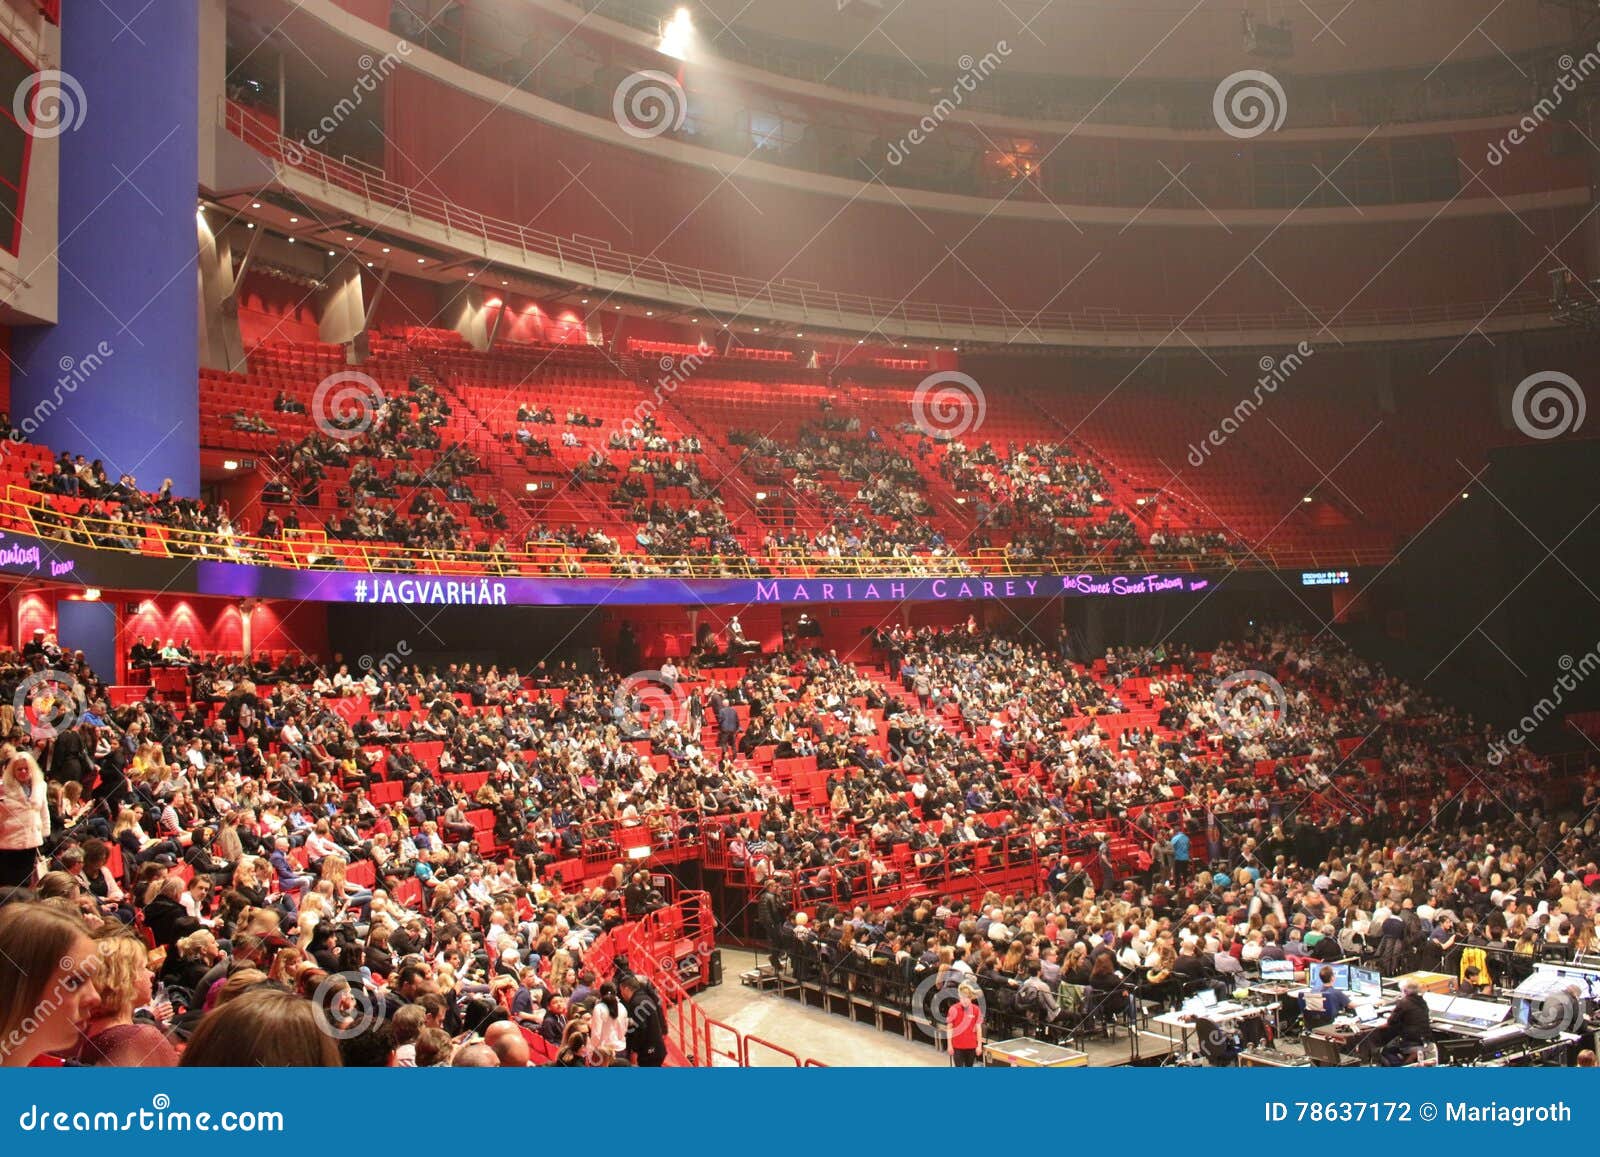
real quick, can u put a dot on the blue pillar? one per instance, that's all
(118, 375)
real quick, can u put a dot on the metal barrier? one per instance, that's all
(750, 1041)
(735, 1054)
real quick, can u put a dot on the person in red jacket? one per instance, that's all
(965, 1022)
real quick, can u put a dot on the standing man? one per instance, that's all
(727, 726)
(1161, 855)
(1180, 854)
(647, 1022)
(773, 913)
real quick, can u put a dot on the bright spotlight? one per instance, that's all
(676, 35)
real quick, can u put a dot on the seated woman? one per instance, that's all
(138, 847)
(123, 982)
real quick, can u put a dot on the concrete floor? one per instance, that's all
(835, 1040)
(810, 1032)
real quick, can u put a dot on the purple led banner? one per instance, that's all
(496, 591)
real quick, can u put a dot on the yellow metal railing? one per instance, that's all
(29, 512)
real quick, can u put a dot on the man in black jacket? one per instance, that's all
(773, 914)
(647, 1022)
(1407, 1028)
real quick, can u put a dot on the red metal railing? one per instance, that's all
(652, 947)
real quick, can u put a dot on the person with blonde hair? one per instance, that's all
(24, 816)
(195, 955)
(123, 981)
(964, 1024)
(345, 894)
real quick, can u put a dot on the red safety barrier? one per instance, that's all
(654, 947)
(751, 1042)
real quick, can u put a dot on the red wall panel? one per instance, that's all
(272, 309)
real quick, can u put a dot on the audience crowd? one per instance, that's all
(259, 856)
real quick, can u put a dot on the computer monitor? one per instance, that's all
(1341, 976)
(1588, 982)
(1366, 982)
(1277, 970)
